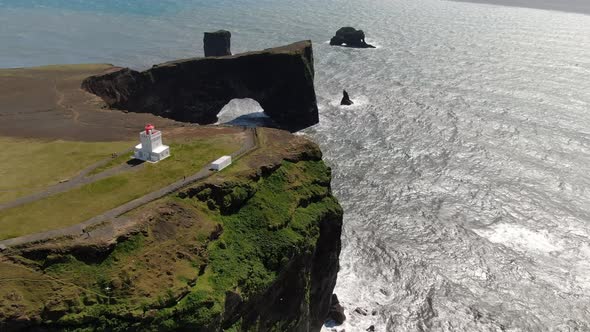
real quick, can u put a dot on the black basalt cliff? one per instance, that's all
(195, 90)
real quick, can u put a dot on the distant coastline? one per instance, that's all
(571, 6)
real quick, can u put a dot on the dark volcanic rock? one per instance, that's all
(361, 311)
(350, 37)
(195, 90)
(325, 266)
(233, 301)
(284, 298)
(345, 99)
(336, 312)
(217, 43)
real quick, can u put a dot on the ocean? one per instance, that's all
(463, 167)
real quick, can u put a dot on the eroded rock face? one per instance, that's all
(195, 90)
(217, 43)
(336, 312)
(350, 37)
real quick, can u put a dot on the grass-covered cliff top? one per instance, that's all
(31, 165)
(228, 237)
(35, 166)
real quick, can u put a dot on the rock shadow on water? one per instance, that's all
(258, 119)
(372, 42)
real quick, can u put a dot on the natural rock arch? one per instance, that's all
(195, 90)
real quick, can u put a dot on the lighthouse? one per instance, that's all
(151, 148)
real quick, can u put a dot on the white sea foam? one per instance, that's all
(375, 43)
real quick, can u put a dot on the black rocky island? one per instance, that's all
(350, 37)
(345, 99)
(196, 89)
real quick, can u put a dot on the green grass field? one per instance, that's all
(29, 166)
(79, 204)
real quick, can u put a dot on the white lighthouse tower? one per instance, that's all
(151, 148)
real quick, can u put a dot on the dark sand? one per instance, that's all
(573, 6)
(47, 103)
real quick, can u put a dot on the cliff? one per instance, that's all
(195, 90)
(253, 248)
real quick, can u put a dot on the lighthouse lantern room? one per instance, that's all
(151, 148)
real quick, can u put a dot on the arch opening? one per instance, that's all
(245, 112)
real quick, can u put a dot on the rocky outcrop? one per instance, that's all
(195, 90)
(217, 43)
(336, 312)
(350, 37)
(345, 99)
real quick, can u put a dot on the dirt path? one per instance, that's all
(250, 144)
(79, 180)
(60, 103)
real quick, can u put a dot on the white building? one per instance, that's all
(151, 148)
(221, 163)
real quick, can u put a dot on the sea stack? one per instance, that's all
(336, 312)
(345, 99)
(350, 37)
(217, 43)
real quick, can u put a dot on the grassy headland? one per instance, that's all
(237, 232)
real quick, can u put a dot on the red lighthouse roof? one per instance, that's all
(149, 127)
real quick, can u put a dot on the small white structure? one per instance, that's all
(221, 163)
(151, 148)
